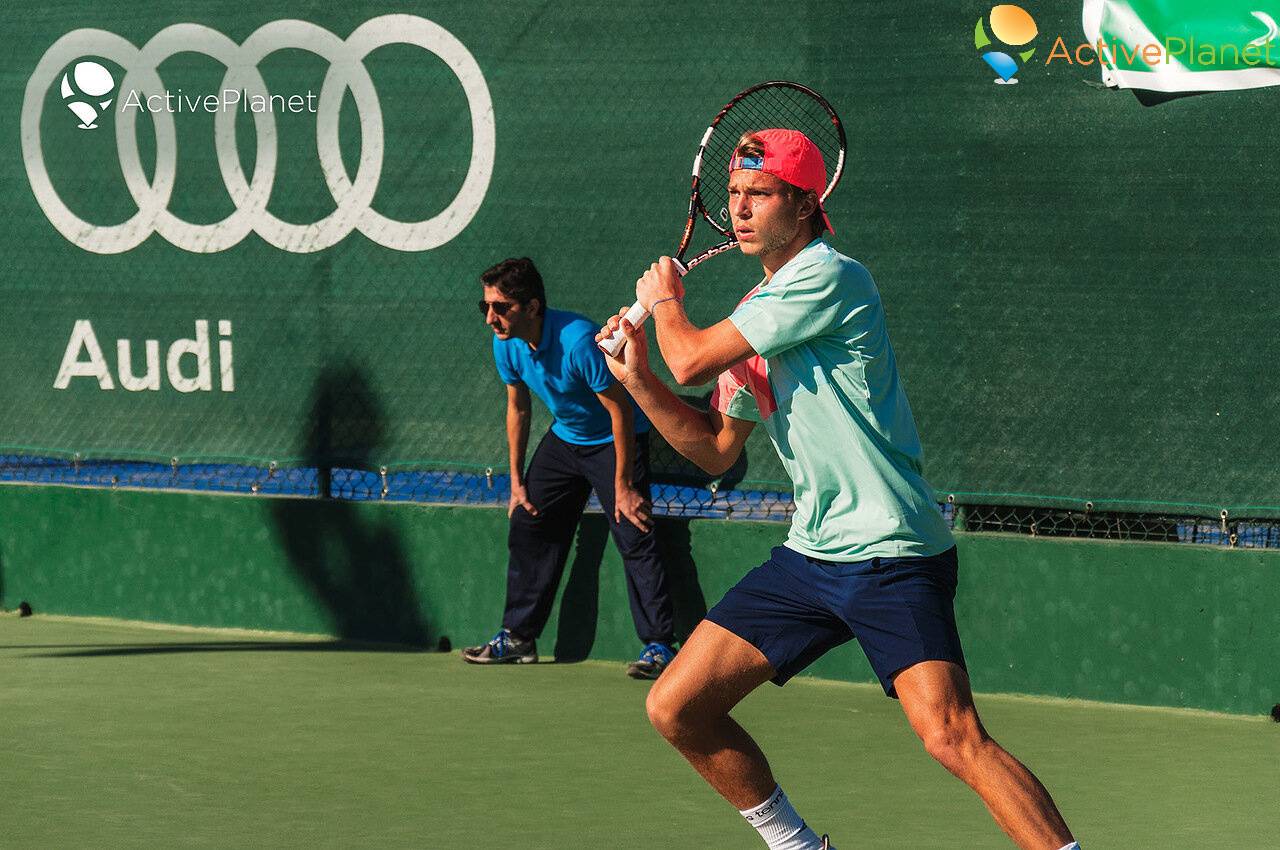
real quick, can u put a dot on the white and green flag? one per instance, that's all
(1186, 45)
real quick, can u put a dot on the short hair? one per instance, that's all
(517, 279)
(749, 146)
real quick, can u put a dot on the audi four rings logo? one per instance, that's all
(352, 196)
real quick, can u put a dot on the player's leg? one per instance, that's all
(770, 626)
(538, 546)
(939, 705)
(903, 614)
(689, 705)
(647, 586)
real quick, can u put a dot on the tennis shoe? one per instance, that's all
(653, 659)
(505, 648)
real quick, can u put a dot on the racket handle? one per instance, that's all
(636, 316)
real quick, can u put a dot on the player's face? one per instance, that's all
(765, 216)
(506, 317)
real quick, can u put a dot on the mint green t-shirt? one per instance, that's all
(825, 384)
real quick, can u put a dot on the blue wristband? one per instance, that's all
(655, 304)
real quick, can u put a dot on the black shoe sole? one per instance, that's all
(510, 659)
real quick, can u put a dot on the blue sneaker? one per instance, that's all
(505, 648)
(652, 661)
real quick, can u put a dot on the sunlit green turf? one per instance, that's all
(124, 735)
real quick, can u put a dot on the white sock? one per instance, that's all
(780, 826)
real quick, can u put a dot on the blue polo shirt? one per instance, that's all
(565, 371)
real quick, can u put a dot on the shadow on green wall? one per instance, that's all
(357, 568)
(580, 599)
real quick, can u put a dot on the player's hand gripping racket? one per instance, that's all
(778, 104)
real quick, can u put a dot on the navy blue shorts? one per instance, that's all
(794, 609)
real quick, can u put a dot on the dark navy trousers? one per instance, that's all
(559, 481)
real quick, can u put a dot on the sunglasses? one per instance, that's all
(499, 307)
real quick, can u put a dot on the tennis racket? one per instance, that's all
(777, 104)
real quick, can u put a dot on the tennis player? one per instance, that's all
(597, 441)
(868, 555)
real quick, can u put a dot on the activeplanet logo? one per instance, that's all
(83, 88)
(83, 358)
(1012, 26)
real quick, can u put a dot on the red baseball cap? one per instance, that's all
(790, 156)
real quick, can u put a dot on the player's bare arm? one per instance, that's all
(694, 355)
(518, 412)
(710, 439)
(629, 503)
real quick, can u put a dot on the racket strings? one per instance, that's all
(790, 109)
(771, 106)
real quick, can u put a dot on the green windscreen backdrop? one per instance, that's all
(1082, 291)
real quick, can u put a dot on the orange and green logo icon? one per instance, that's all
(1010, 27)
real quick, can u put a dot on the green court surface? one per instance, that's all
(118, 735)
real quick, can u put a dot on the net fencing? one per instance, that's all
(283, 302)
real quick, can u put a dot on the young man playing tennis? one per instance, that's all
(597, 441)
(868, 555)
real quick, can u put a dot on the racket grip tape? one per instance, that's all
(636, 316)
